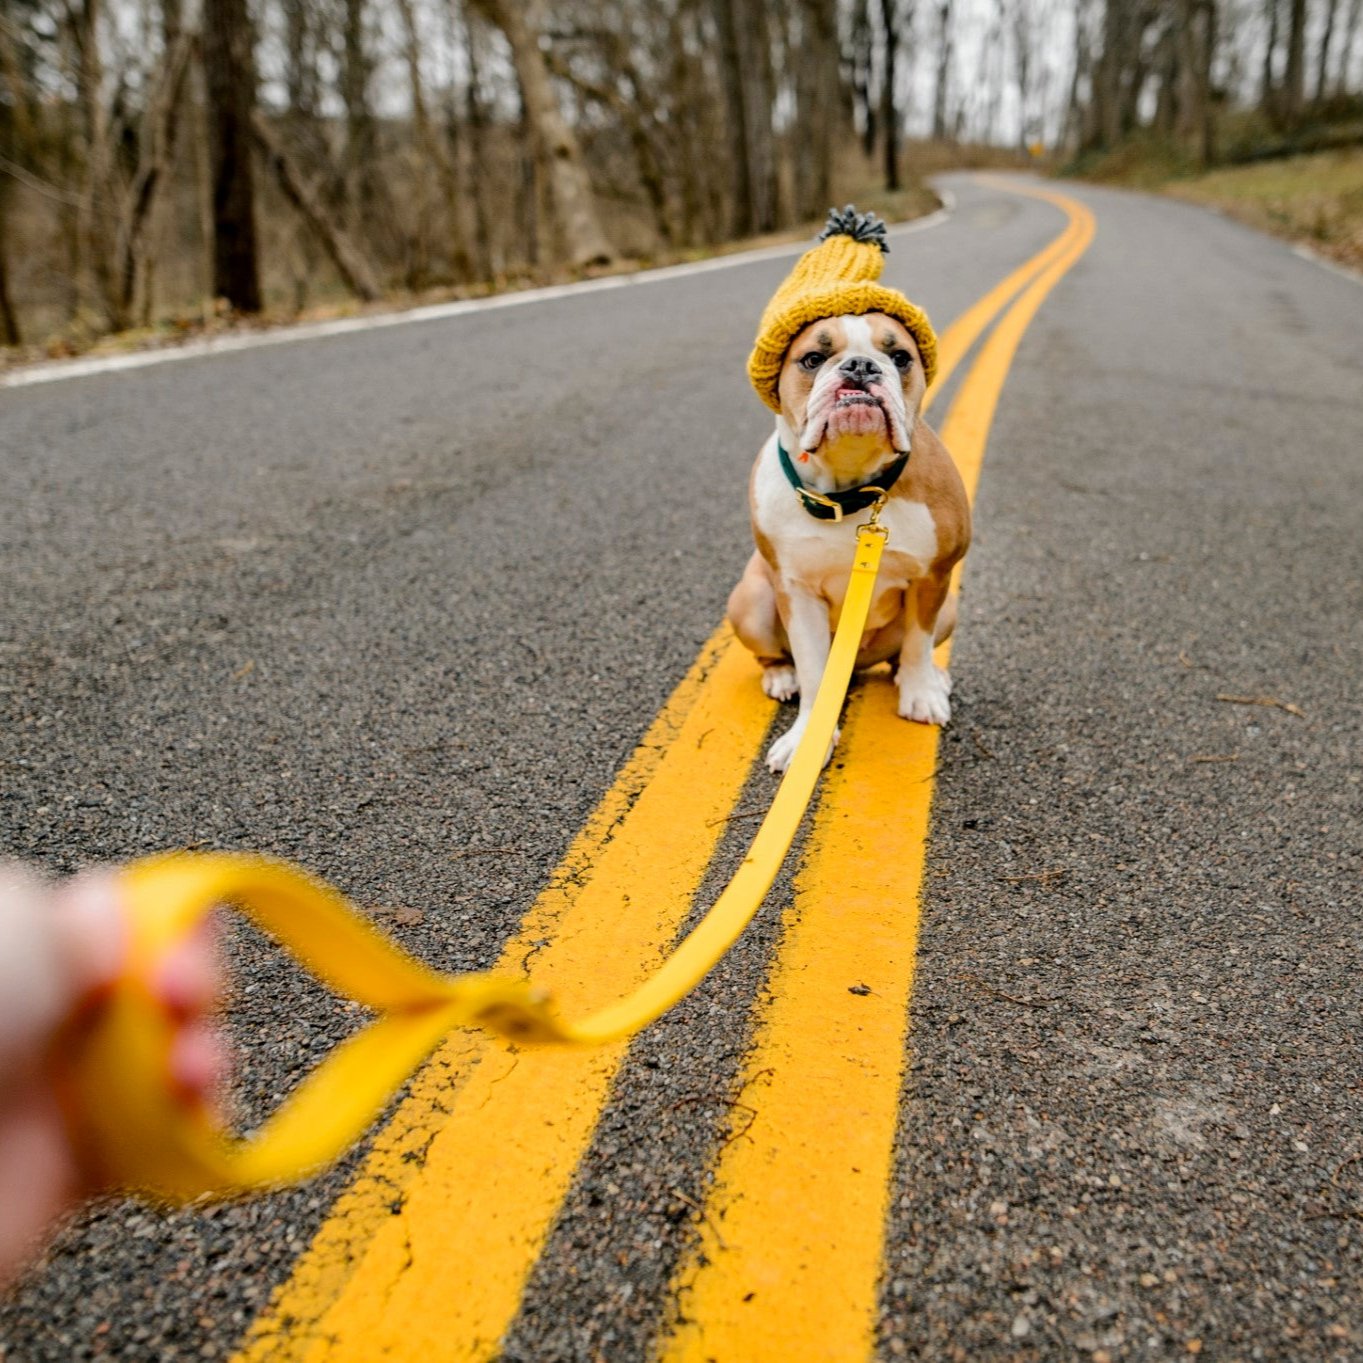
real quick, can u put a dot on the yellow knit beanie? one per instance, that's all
(834, 278)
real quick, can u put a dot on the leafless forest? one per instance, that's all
(168, 161)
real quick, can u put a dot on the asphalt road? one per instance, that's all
(373, 601)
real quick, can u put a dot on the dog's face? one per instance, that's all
(852, 381)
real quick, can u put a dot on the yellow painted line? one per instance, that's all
(788, 1259)
(427, 1253)
(958, 338)
(428, 1210)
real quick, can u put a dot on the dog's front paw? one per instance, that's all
(780, 682)
(782, 751)
(923, 694)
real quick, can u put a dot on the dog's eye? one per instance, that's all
(814, 360)
(902, 360)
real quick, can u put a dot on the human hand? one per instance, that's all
(61, 946)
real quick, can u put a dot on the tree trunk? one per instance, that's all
(639, 116)
(1294, 77)
(96, 207)
(1196, 44)
(732, 76)
(1206, 131)
(863, 61)
(745, 63)
(350, 264)
(760, 89)
(1076, 113)
(461, 224)
(229, 79)
(1171, 72)
(817, 103)
(361, 140)
(1268, 85)
(889, 113)
(473, 167)
(1107, 79)
(695, 120)
(156, 156)
(634, 113)
(939, 96)
(429, 148)
(991, 75)
(1346, 49)
(9, 319)
(300, 67)
(1022, 66)
(582, 239)
(1323, 61)
(14, 129)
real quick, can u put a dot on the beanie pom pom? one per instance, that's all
(847, 222)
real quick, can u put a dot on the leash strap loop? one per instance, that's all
(135, 1132)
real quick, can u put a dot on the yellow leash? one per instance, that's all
(137, 1133)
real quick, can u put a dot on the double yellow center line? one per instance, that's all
(426, 1255)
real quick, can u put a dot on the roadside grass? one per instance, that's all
(1304, 184)
(1315, 200)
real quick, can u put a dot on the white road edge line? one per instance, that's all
(55, 371)
(1325, 263)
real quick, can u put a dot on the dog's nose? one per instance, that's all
(860, 368)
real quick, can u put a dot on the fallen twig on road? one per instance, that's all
(1271, 701)
(705, 1216)
(980, 983)
(737, 814)
(1046, 877)
(1353, 1159)
(1215, 757)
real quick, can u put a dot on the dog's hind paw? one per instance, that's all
(780, 682)
(924, 694)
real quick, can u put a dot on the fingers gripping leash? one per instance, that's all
(136, 1132)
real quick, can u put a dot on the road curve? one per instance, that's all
(380, 601)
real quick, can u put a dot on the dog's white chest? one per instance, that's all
(818, 554)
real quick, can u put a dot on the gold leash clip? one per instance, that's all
(876, 507)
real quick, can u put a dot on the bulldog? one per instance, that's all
(850, 391)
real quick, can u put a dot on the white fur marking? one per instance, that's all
(924, 687)
(780, 682)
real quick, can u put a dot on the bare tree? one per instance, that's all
(1323, 52)
(432, 151)
(745, 58)
(1268, 83)
(818, 106)
(1196, 29)
(361, 136)
(1294, 75)
(1076, 133)
(155, 159)
(940, 91)
(622, 91)
(1346, 48)
(1023, 66)
(350, 264)
(890, 20)
(862, 64)
(229, 80)
(15, 129)
(473, 165)
(582, 239)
